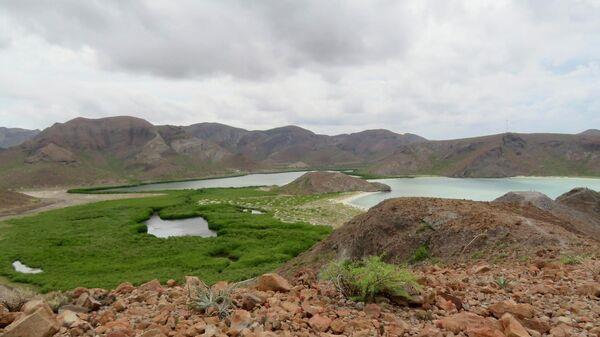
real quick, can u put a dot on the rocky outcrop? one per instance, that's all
(330, 182)
(51, 153)
(582, 199)
(406, 229)
(577, 210)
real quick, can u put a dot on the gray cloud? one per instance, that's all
(205, 38)
(440, 68)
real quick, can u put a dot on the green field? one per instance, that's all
(100, 244)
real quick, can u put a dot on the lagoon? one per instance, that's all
(478, 189)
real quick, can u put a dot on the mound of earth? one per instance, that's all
(13, 202)
(330, 182)
(11, 199)
(577, 210)
(406, 229)
(582, 199)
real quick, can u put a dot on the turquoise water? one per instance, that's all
(473, 188)
(440, 187)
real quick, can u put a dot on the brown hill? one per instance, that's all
(582, 199)
(497, 156)
(14, 202)
(406, 229)
(15, 136)
(121, 149)
(330, 182)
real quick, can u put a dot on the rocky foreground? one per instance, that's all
(541, 297)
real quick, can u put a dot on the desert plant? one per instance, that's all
(570, 259)
(502, 283)
(421, 254)
(370, 277)
(14, 298)
(211, 301)
(57, 299)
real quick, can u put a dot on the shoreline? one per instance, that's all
(347, 199)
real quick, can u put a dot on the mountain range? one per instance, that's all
(128, 149)
(15, 136)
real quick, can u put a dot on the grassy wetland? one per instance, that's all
(105, 243)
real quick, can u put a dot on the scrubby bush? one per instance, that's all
(370, 277)
(211, 301)
(14, 298)
(570, 259)
(421, 254)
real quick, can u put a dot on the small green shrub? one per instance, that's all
(570, 259)
(502, 283)
(421, 254)
(211, 301)
(363, 280)
(140, 228)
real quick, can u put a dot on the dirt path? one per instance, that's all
(55, 199)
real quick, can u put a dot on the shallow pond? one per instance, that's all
(179, 227)
(484, 189)
(22, 268)
(263, 179)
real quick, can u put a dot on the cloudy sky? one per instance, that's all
(441, 69)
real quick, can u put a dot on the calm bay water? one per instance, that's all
(484, 189)
(473, 188)
(261, 179)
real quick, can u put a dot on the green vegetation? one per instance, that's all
(211, 301)
(502, 283)
(571, 259)
(370, 277)
(104, 244)
(421, 254)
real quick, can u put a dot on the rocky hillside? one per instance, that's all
(15, 136)
(539, 298)
(330, 182)
(578, 209)
(498, 156)
(122, 149)
(412, 229)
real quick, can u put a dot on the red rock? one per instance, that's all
(153, 285)
(171, 283)
(338, 326)
(512, 327)
(40, 323)
(33, 305)
(464, 321)
(320, 323)
(87, 301)
(373, 310)
(240, 319)
(484, 332)
(273, 282)
(7, 318)
(562, 330)
(520, 310)
(125, 288)
(153, 333)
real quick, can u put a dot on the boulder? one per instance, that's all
(320, 323)
(33, 305)
(240, 319)
(512, 327)
(465, 322)
(520, 310)
(40, 323)
(273, 282)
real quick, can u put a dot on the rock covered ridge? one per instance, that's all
(331, 182)
(540, 298)
(114, 149)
